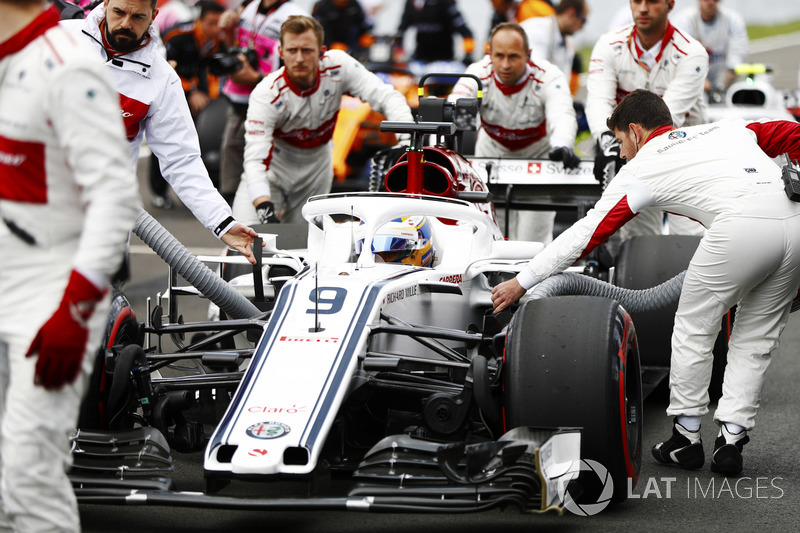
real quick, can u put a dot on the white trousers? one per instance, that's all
(298, 175)
(750, 261)
(35, 424)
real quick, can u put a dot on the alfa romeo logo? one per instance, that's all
(268, 430)
(588, 508)
(678, 134)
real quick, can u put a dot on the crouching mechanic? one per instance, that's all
(526, 112)
(154, 106)
(288, 155)
(721, 175)
(68, 201)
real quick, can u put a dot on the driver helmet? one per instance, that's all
(405, 240)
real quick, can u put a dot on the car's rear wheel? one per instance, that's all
(573, 361)
(647, 261)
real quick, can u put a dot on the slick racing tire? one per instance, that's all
(647, 261)
(122, 329)
(572, 361)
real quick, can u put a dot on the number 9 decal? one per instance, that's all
(328, 304)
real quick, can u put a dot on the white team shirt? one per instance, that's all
(282, 117)
(690, 171)
(524, 120)
(616, 69)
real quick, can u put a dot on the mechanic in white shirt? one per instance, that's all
(288, 155)
(722, 175)
(153, 105)
(723, 33)
(255, 26)
(649, 54)
(526, 112)
(68, 201)
(550, 37)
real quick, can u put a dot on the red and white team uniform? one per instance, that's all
(748, 255)
(71, 194)
(288, 151)
(154, 106)
(525, 120)
(675, 69)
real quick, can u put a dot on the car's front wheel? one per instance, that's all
(573, 361)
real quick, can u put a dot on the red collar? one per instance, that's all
(659, 131)
(664, 40)
(511, 89)
(38, 26)
(297, 90)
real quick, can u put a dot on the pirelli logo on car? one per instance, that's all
(315, 340)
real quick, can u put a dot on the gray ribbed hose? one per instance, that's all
(191, 268)
(634, 301)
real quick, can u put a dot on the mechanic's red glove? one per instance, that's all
(61, 341)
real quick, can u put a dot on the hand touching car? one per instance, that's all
(506, 293)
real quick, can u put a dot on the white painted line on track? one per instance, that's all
(140, 249)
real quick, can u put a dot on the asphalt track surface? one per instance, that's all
(766, 497)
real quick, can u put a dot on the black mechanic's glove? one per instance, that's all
(566, 155)
(467, 60)
(266, 212)
(607, 160)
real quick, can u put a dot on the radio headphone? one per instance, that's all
(670, 6)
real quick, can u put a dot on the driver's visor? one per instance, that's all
(392, 244)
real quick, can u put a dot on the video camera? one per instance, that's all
(228, 62)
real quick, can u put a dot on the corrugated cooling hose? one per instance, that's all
(634, 301)
(192, 269)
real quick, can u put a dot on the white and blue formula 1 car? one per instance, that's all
(372, 357)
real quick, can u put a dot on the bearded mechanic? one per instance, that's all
(154, 106)
(288, 155)
(721, 175)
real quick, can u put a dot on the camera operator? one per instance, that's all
(526, 112)
(288, 154)
(190, 47)
(153, 105)
(255, 27)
